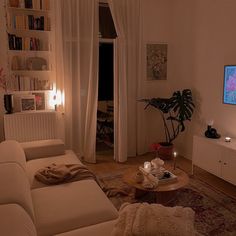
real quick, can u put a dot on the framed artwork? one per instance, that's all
(229, 92)
(156, 57)
(39, 101)
(27, 103)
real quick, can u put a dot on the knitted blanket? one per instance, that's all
(65, 173)
(142, 219)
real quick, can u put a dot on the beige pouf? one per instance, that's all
(154, 219)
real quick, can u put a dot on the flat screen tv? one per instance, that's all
(229, 94)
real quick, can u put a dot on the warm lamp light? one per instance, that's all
(55, 99)
(175, 155)
(227, 139)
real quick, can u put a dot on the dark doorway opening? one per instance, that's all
(105, 112)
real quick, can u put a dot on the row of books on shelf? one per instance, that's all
(31, 4)
(26, 83)
(26, 43)
(28, 22)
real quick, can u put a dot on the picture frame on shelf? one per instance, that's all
(39, 100)
(27, 103)
(156, 61)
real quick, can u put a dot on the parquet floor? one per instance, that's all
(106, 164)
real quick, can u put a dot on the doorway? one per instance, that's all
(105, 111)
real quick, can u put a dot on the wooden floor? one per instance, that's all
(105, 163)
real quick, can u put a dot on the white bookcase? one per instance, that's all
(29, 26)
(215, 156)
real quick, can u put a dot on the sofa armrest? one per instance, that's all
(43, 148)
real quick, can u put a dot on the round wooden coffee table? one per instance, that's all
(164, 192)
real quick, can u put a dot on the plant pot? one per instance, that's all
(165, 151)
(14, 3)
(8, 103)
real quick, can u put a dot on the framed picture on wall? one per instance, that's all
(229, 92)
(27, 103)
(39, 101)
(156, 61)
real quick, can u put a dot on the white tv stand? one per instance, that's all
(215, 156)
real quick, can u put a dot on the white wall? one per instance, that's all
(209, 42)
(202, 39)
(156, 28)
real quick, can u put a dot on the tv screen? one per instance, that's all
(229, 84)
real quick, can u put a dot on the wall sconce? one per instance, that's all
(55, 99)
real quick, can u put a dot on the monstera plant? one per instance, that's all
(174, 112)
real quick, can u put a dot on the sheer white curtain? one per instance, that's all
(77, 71)
(126, 16)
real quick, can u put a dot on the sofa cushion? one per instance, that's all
(15, 221)
(11, 151)
(15, 188)
(34, 165)
(65, 207)
(43, 148)
(103, 229)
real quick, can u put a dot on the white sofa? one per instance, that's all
(28, 207)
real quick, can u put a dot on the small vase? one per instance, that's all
(8, 103)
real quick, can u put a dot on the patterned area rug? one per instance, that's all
(215, 213)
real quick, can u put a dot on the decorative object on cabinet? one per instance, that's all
(227, 139)
(8, 103)
(39, 101)
(3, 80)
(211, 132)
(174, 111)
(36, 63)
(156, 54)
(27, 103)
(8, 99)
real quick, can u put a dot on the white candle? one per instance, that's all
(227, 139)
(147, 166)
(175, 155)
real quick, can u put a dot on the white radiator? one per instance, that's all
(30, 126)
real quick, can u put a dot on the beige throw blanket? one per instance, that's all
(142, 219)
(62, 173)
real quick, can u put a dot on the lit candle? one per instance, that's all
(175, 155)
(147, 166)
(227, 139)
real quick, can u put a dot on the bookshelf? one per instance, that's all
(29, 27)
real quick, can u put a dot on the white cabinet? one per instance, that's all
(215, 156)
